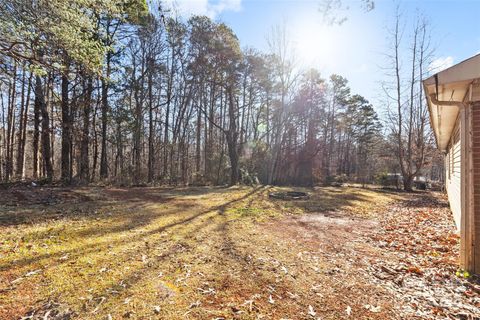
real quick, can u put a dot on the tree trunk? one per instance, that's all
(11, 125)
(84, 158)
(408, 183)
(151, 150)
(49, 104)
(167, 119)
(197, 144)
(42, 107)
(137, 137)
(66, 129)
(119, 160)
(3, 138)
(36, 131)
(103, 152)
(21, 128)
(232, 139)
(23, 138)
(95, 142)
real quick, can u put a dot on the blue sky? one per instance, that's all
(356, 48)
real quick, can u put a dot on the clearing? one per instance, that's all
(229, 253)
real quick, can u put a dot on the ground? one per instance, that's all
(229, 253)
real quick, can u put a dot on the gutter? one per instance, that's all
(434, 98)
(433, 101)
(461, 105)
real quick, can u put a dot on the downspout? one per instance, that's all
(434, 98)
(460, 104)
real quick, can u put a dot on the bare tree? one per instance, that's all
(408, 119)
(285, 76)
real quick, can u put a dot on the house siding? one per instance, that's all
(453, 174)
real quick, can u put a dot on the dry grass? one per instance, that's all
(198, 253)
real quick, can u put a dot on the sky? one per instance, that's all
(355, 49)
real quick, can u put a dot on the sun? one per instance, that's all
(313, 44)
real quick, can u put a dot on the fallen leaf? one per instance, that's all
(415, 270)
(17, 280)
(373, 308)
(270, 300)
(31, 273)
(348, 310)
(63, 258)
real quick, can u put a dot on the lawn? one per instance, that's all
(222, 253)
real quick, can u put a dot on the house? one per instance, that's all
(453, 97)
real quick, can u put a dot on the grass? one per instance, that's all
(196, 253)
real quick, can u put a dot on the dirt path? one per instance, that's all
(213, 253)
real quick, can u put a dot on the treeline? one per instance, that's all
(95, 91)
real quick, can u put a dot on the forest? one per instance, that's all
(125, 93)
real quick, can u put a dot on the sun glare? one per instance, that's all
(314, 44)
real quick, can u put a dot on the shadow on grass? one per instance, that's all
(174, 249)
(95, 247)
(188, 225)
(425, 201)
(326, 199)
(30, 206)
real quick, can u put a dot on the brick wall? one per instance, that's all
(476, 182)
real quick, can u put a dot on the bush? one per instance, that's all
(389, 179)
(336, 180)
(382, 178)
(248, 178)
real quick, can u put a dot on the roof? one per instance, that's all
(452, 84)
